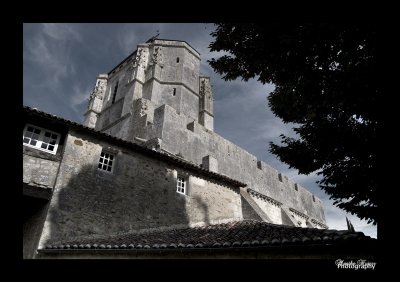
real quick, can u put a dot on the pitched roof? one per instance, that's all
(136, 147)
(239, 234)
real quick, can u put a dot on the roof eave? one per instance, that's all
(135, 147)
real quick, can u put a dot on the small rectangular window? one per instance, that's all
(313, 198)
(295, 187)
(115, 92)
(280, 177)
(177, 60)
(41, 139)
(174, 92)
(106, 161)
(181, 185)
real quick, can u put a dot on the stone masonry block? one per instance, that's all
(210, 163)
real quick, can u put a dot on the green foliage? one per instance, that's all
(326, 84)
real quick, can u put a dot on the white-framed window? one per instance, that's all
(181, 185)
(106, 161)
(41, 139)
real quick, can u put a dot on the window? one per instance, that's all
(174, 92)
(313, 198)
(280, 177)
(41, 139)
(181, 185)
(106, 161)
(177, 60)
(295, 187)
(115, 92)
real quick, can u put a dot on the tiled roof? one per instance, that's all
(239, 234)
(136, 147)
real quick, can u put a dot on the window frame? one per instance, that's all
(179, 180)
(41, 139)
(108, 159)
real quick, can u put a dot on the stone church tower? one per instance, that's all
(161, 72)
(157, 98)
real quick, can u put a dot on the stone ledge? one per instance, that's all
(316, 222)
(300, 214)
(264, 197)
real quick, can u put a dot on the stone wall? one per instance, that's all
(34, 214)
(140, 193)
(162, 101)
(39, 171)
(165, 72)
(111, 114)
(299, 218)
(272, 210)
(195, 142)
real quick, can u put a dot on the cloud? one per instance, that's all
(52, 56)
(46, 61)
(79, 97)
(49, 50)
(61, 31)
(127, 39)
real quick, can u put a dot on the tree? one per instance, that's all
(326, 85)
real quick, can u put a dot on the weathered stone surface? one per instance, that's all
(140, 193)
(234, 162)
(96, 101)
(39, 171)
(161, 103)
(210, 163)
(174, 103)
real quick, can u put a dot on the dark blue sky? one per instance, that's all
(61, 62)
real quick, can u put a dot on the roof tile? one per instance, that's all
(238, 234)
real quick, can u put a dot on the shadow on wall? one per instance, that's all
(94, 203)
(247, 211)
(286, 219)
(34, 214)
(202, 208)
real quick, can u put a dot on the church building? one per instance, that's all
(146, 175)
